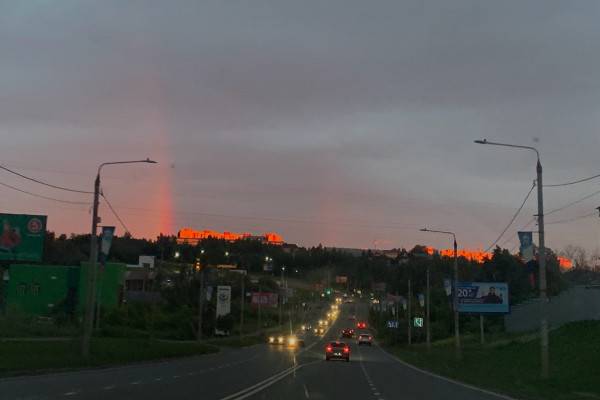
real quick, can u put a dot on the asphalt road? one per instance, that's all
(258, 372)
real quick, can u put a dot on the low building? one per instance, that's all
(191, 236)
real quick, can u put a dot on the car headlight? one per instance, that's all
(271, 339)
(280, 339)
(292, 341)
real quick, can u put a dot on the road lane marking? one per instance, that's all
(443, 378)
(73, 393)
(175, 376)
(109, 387)
(158, 379)
(136, 382)
(262, 385)
(306, 392)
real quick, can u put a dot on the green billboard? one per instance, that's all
(22, 237)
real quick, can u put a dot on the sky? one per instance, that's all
(344, 122)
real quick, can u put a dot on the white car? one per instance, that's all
(365, 338)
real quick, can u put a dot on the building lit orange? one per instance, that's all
(192, 236)
(481, 256)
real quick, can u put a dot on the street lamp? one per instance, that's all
(454, 296)
(91, 294)
(544, 354)
(177, 254)
(282, 297)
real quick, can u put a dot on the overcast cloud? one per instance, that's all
(345, 122)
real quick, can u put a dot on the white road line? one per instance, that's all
(136, 382)
(70, 393)
(109, 387)
(306, 392)
(443, 378)
(252, 390)
(175, 376)
(158, 379)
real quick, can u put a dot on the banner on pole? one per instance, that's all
(223, 300)
(526, 245)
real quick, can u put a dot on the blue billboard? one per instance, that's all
(483, 297)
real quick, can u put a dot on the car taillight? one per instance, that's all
(329, 349)
(346, 349)
(370, 337)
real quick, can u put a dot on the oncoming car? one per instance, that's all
(337, 350)
(276, 339)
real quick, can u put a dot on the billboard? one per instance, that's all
(223, 300)
(22, 237)
(483, 297)
(341, 279)
(265, 299)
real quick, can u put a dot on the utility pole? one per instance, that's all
(88, 321)
(481, 330)
(200, 306)
(259, 307)
(409, 313)
(542, 263)
(455, 302)
(281, 291)
(242, 308)
(427, 318)
(544, 347)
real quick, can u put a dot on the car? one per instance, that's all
(361, 325)
(276, 339)
(337, 350)
(365, 338)
(307, 327)
(319, 331)
(348, 333)
(295, 341)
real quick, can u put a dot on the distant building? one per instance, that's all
(146, 262)
(191, 236)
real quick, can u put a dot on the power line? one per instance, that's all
(564, 221)
(573, 203)
(573, 182)
(44, 197)
(44, 183)
(115, 213)
(513, 218)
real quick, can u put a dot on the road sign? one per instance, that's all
(22, 237)
(392, 324)
(418, 322)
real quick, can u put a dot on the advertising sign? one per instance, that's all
(393, 324)
(483, 297)
(223, 300)
(107, 236)
(526, 245)
(421, 298)
(22, 237)
(448, 287)
(265, 299)
(341, 279)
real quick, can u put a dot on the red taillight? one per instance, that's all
(370, 337)
(346, 349)
(329, 349)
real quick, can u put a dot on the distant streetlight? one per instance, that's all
(88, 323)
(226, 254)
(454, 296)
(201, 251)
(177, 254)
(544, 353)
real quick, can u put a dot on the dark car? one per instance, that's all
(337, 350)
(348, 333)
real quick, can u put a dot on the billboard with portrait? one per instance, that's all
(483, 297)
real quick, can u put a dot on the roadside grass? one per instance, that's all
(23, 357)
(510, 365)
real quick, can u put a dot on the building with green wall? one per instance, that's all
(51, 289)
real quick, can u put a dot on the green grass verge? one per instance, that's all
(33, 356)
(512, 366)
(237, 341)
